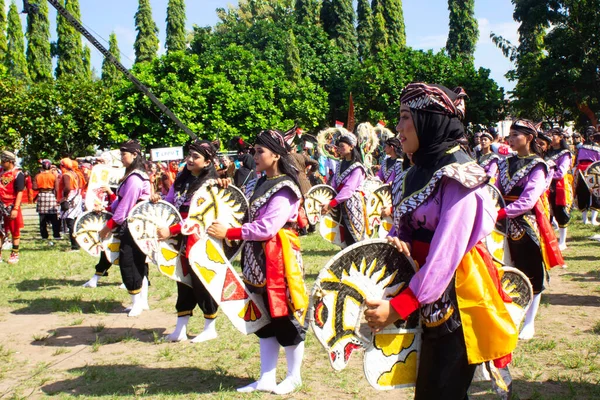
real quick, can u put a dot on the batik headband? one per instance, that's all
(435, 98)
(272, 140)
(524, 126)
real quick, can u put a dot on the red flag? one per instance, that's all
(339, 124)
(351, 120)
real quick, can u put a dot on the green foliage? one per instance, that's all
(15, 55)
(3, 47)
(292, 61)
(68, 47)
(110, 74)
(464, 31)
(307, 11)
(146, 41)
(337, 17)
(39, 59)
(86, 57)
(176, 35)
(379, 41)
(394, 21)
(12, 98)
(364, 28)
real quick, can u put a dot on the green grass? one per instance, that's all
(85, 347)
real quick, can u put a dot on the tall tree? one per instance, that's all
(394, 21)
(110, 74)
(176, 34)
(364, 28)
(68, 47)
(2, 32)
(307, 11)
(146, 41)
(86, 57)
(292, 60)
(39, 58)
(15, 53)
(379, 40)
(464, 30)
(337, 17)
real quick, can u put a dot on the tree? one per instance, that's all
(39, 58)
(146, 41)
(2, 32)
(68, 47)
(292, 61)
(176, 34)
(307, 11)
(379, 40)
(464, 30)
(15, 54)
(364, 28)
(86, 57)
(337, 17)
(394, 21)
(110, 74)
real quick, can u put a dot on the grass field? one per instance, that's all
(62, 340)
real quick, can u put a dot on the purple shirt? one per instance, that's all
(459, 218)
(491, 169)
(352, 182)
(563, 164)
(272, 216)
(390, 179)
(588, 154)
(534, 185)
(133, 190)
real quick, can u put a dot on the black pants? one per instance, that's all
(527, 257)
(53, 220)
(103, 265)
(71, 227)
(287, 330)
(585, 199)
(190, 297)
(562, 214)
(132, 262)
(444, 371)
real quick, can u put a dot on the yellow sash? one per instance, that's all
(293, 274)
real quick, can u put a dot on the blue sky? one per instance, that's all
(426, 26)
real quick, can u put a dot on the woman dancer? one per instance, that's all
(561, 189)
(441, 214)
(134, 187)
(272, 264)
(488, 160)
(389, 167)
(523, 180)
(199, 167)
(587, 154)
(347, 180)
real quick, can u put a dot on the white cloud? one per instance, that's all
(430, 42)
(508, 30)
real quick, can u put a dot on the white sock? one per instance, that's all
(92, 283)
(528, 330)
(209, 332)
(593, 218)
(293, 380)
(144, 293)
(180, 332)
(584, 217)
(269, 352)
(562, 238)
(137, 306)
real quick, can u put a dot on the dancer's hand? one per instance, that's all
(386, 211)
(218, 230)
(402, 247)
(163, 233)
(106, 189)
(155, 198)
(325, 209)
(224, 182)
(379, 314)
(14, 214)
(104, 232)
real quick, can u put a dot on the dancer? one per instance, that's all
(488, 160)
(45, 183)
(200, 166)
(134, 187)
(441, 214)
(561, 189)
(69, 197)
(587, 154)
(347, 180)
(456, 287)
(12, 184)
(388, 169)
(523, 180)
(272, 264)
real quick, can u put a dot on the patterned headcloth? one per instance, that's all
(272, 140)
(46, 164)
(347, 137)
(131, 146)
(7, 155)
(487, 135)
(545, 136)
(205, 148)
(394, 142)
(557, 131)
(435, 98)
(524, 126)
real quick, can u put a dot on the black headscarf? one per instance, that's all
(274, 141)
(205, 148)
(132, 146)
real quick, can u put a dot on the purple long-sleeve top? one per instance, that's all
(491, 169)
(460, 218)
(563, 164)
(390, 179)
(272, 216)
(534, 185)
(588, 154)
(133, 190)
(352, 182)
